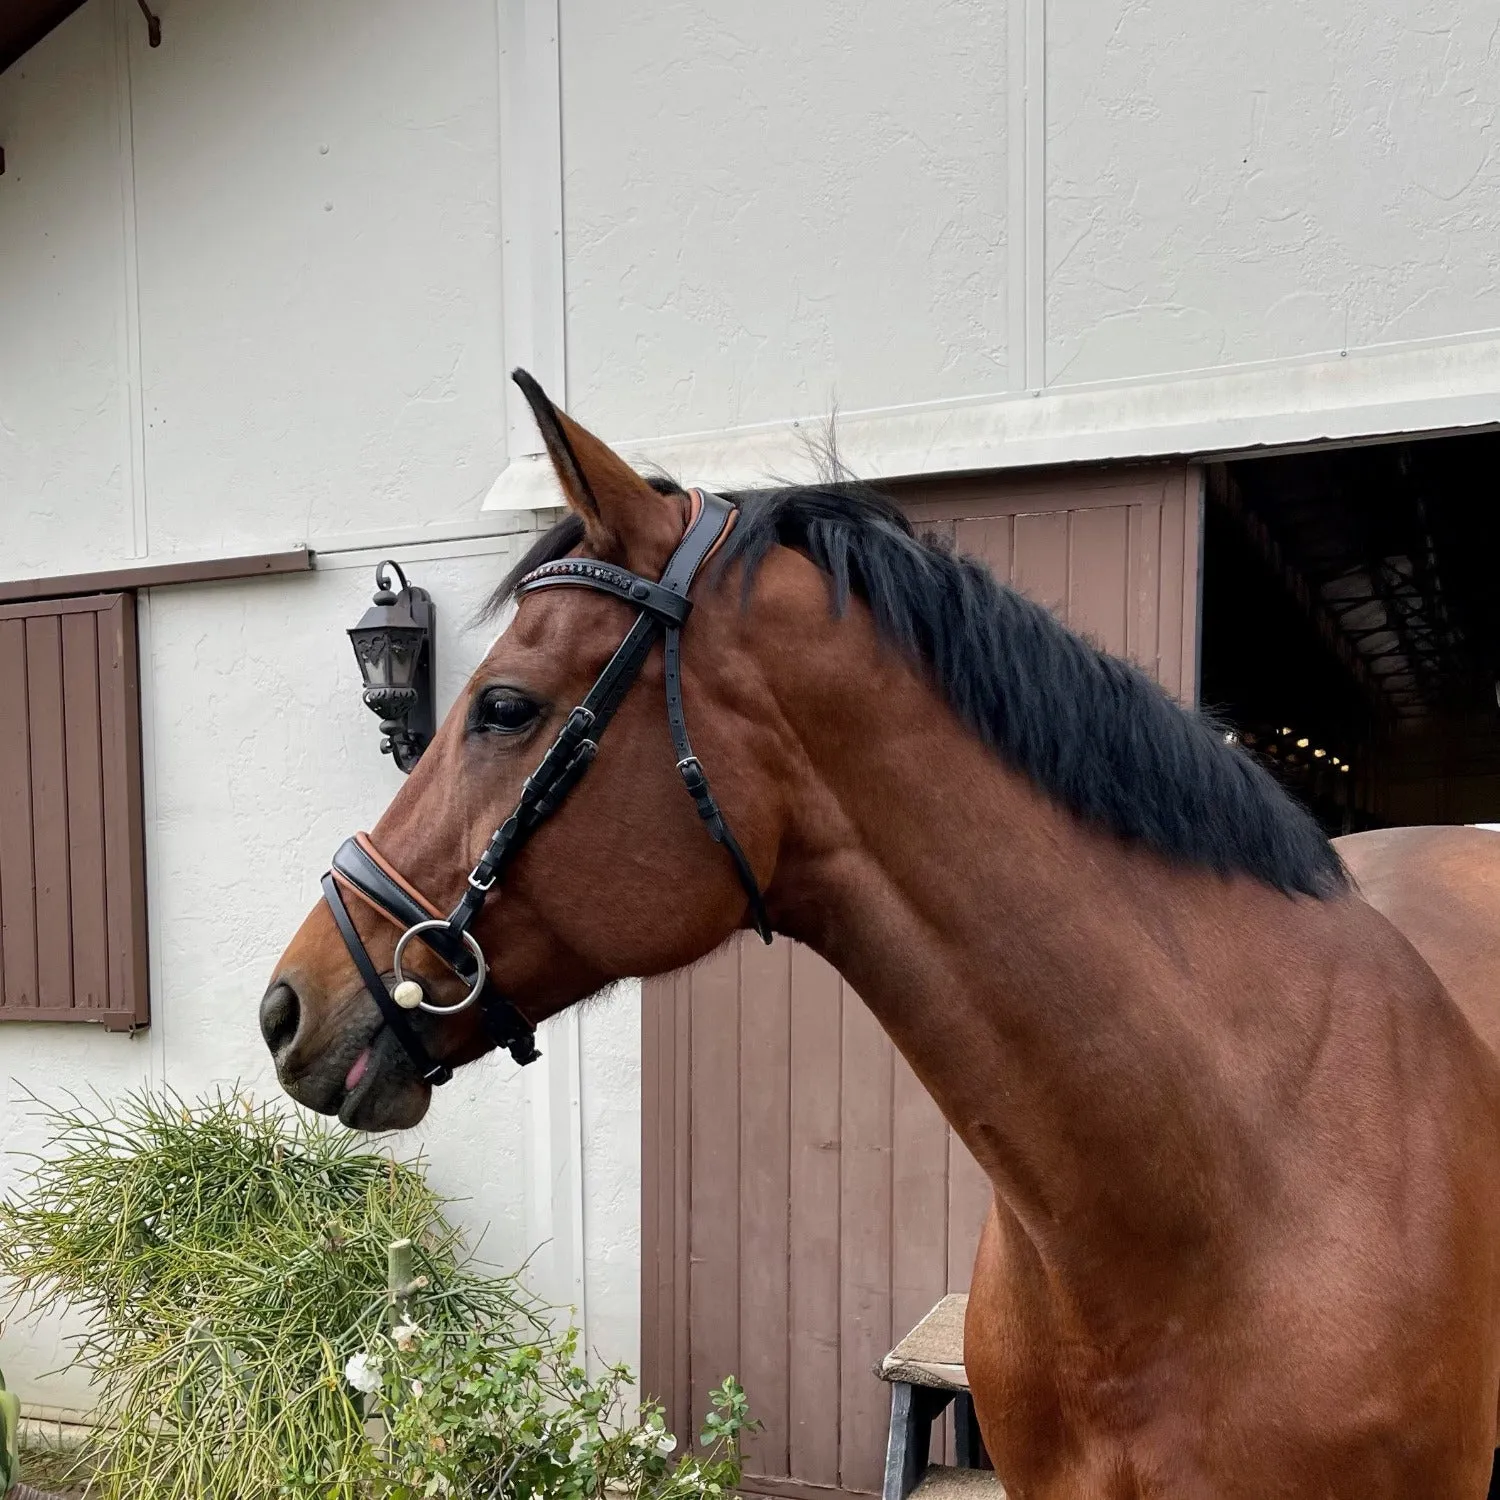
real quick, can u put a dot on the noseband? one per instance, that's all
(358, 866)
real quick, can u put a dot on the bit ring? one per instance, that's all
(470, 941)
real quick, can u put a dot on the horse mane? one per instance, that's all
(1093, 731)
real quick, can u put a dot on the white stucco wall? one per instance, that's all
(770, 206)
(250, 296)
(1033, 231)
(1229, 184)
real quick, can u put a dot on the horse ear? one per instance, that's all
(621, 512)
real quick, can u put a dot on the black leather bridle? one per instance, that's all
(663, 608)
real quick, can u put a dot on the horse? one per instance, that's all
(1244, 1146)
(1440, 886)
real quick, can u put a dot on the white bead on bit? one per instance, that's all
(408, 994)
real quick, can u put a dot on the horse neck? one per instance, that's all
(1072, 1003)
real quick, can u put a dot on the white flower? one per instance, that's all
(666, 1444)
(416, 1389)
(405, 1334)
(363, 1373)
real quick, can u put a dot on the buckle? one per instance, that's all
(691, 771)
(483, 887)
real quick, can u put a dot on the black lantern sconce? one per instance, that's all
(393, 646)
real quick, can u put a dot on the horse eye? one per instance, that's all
(506, 713)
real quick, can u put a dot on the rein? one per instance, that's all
(663, 608)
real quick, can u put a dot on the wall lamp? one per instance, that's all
(393, 646)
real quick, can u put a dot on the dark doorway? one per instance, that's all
(1351, 626)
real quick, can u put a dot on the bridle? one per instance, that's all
(360, 868)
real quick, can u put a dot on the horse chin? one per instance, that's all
(386, 1097)
(397, 1108)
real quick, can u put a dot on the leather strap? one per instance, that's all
(707, 527)
(695, 779)
(583, 572)
(367, 844)
(396, 1018)
(353, 863)
(713, 522)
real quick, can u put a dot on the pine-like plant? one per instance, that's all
(228, 1259)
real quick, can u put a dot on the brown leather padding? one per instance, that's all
(364, 842)
(733, 516)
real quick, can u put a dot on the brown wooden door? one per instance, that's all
(803, 1201)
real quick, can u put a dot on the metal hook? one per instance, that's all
(153, 24)
(382, 582)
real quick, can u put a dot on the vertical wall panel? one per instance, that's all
(656, 1239)
(17, 872)
(714, 1222)
(989, 537)
(827, 1205)
(866, 1208)
(81, 732)
(816, 1143)
(124, 840)
(49, 812)
(1040, 566)
(1099, 575)
(765, 1195)
(919, 1191)
(1142, 639)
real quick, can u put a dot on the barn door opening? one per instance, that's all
(1352, 627)
(804, 1201)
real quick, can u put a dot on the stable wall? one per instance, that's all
(250, 299)
(1024, 232)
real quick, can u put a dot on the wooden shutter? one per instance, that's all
(72, 864)
(804, 1202)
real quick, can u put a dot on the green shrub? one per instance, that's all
(230, 1262)
(481, 1414)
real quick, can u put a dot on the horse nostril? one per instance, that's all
(279, 1013)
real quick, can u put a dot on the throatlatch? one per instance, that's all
(358, 866)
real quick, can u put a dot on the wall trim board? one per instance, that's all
(1428, 386)
(531, 208)
(158, 575)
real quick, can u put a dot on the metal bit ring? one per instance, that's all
(470, 942)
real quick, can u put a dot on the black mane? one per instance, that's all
(1092, 730)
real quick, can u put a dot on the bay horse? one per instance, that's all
(1244, 1146)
